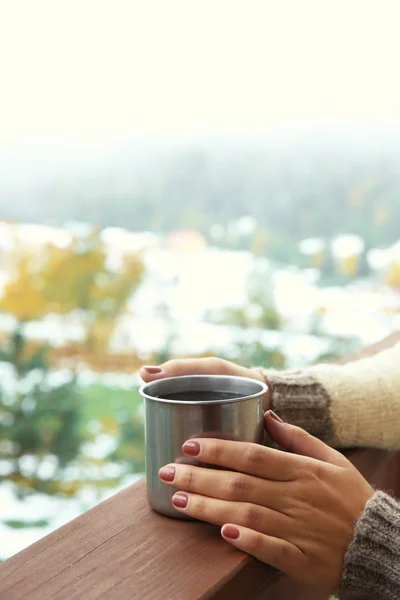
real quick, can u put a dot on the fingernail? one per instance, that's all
(191, 448)
(167, 473)
(275, 416)
(231, 532)
(152, 370)
(180, 500)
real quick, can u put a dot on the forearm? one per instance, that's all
(372, 561)
(357, 404)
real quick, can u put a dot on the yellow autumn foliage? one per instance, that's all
(109, 424)
(393, 274)
(61, 280)
(72, 274)
(349, 265)
(23, 295)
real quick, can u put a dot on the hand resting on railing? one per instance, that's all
(310, 513)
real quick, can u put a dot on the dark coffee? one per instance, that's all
(200, 396)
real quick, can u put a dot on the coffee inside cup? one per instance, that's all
(200, 396)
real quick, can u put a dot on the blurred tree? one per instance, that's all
(262, 300)
(78, 277)
(260, 311)
(295, 195)
(348, 265)
(130, 447)
(338, 347)
(393, 274)
(255, 354)
(38, 422)
(23, 295)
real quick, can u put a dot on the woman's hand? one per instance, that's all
(295, 511)
(201, 366)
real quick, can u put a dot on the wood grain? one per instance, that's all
(122, 550)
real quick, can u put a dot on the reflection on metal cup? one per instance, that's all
(180, 408)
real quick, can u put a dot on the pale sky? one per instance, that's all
(95, 69)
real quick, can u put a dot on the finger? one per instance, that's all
(218, 512)
(149, 373)
(197, 366)
(271, 550)
(226, 485)
(297, 440)
(252, 459)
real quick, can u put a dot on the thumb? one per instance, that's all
(298, 441)
(189, 366)
(197, 366)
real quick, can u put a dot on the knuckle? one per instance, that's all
(279, 554)
(218, 364)
(250, 516)
(300, 433)
(254, 457)
(199, 506)
(342, 461)
(307, 471)
(171, 365)
(254, 543)
(187, 477)
(214, 451)
(313, 473)
(236, 486)
(297, 434)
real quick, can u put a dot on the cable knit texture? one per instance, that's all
(372, 562)
(357, 404)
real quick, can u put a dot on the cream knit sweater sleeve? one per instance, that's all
(357, 404)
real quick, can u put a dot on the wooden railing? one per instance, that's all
(121, 550)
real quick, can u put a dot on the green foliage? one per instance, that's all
(14, 353)
(17, 524)
(338, 347)
(43, 422)
(118, 411)
(260, 312)
(37, 419)
(105, 401)
(130, 448)
(255, 354)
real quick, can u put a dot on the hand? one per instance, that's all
(202, 366)
(295, 512)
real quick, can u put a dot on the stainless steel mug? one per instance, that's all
(179, 408)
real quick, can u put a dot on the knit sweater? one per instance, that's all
(357, 404)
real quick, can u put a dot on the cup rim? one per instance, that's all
(263, 390)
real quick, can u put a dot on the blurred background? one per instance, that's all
(180, 178)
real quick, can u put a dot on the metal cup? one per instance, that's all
(179, 408)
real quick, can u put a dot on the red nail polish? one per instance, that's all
(275, 416)
(180, 500)
(167, 473)
(231, 532)
(191, 448)
(152, 370)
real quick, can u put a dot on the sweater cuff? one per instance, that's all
(300, 399)
(372, 561)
